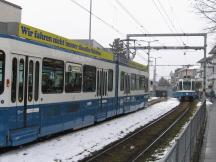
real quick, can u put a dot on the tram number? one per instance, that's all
(34, 110)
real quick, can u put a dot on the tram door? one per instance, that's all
(102, 87)
(25, 89)
(127, 99)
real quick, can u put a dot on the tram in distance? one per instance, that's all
(187, 89)
(46, 89)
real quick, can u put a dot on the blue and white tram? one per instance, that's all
(45, 89)
(186, 89)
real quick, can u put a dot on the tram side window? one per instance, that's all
(37, 72)
(14, 80)
(137, 82)
(30, 81)
(105, 84)
(21, 80)
(2, 67)
(101, 83)
(193, 85)
(110, 80)
(52, 76)
(141, 82)
(180, 85)
(89, 78)
(122, 85)
(133, 82)
(146, 84)
(128, 86)
(73, 78)
(98, 84)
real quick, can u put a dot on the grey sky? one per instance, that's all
(67, 19)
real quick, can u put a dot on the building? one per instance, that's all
(163, 88)
(10, 12)
(210, 70)
(185, 72)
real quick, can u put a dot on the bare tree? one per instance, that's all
(207, 8)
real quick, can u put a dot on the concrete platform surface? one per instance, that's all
(208, 153)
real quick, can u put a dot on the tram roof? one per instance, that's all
(34, 34)
(137, 65)
(50, 39)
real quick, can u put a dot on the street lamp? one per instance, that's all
(148, 53)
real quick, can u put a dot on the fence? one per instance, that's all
(185, 146)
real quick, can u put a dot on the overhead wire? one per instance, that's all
(176, 18)
(139, 24)
(117, 11)
(179, 65)
(116, 6)
(140, 55)
(100, 19)
(168, 18)
(132, 16)
(165, 20)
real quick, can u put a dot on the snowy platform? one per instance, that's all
(77, 145)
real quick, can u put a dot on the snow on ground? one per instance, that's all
(153, 98)
(77, 145)
(208, 103)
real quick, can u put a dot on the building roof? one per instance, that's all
(207, 59)
(213, 50)
(11, 4)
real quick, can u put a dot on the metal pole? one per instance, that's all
(204, 77)
(148, 53)
(90, 22)
(168, 35)
(154, 79)
(169, 47)
(128, 52)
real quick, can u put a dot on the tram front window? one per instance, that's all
(180, 85)
(2, 63)
(187, 85)
(193, 85)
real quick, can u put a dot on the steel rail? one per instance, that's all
(162, 134)
(133, 134)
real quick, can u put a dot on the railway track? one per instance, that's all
(135, 145)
